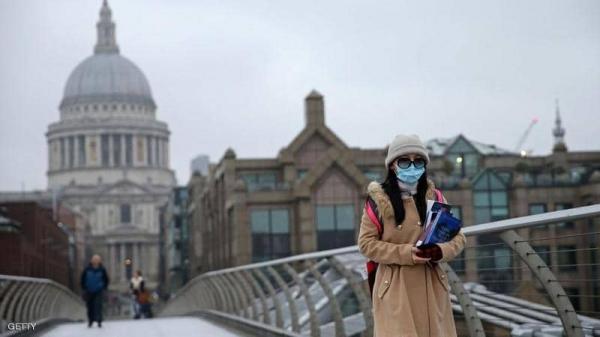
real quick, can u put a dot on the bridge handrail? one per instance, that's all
(238, 291)
(484, 228)
(29, 299)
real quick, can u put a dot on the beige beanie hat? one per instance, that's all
(405, 144)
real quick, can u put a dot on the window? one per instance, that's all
(537, 209)
(105, 150)
(128, 150)
(564, 225)
(81, 150)
(464, 157)
(372, 175)
(457, 212)
(301, 173)
(270, 234)
(458, 263)
(544, 253)
(125, 213)
(260, 181)
(117, 150)
(490, 198)
(567, 258)
(573, 294)
(335, 226)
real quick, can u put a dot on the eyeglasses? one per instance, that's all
(405, 163)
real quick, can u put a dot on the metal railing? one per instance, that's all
(36, 300)
(324, 294)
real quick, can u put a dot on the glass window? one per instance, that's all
(260, 181)
(373, 175)
(270, 234)
(499, 198)
(481, 199)
(335, 226)
(280, 222)
(461, 146)
(301, 173)
(573, 294)
(490, 198)
(564, 225)
(471, 164)
(502, 258)
(125, 213)
(325, 218)
(567, 258)
(259, 221)
(544, 253)
(458, 263)
(344, 215)
(482, 215)
(537, 209)
(457, 211)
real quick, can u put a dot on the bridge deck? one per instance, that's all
(157, 327)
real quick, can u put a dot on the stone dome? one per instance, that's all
(107, 78)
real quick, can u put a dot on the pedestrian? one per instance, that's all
(94, 281)
(137, 286)
(410, 291)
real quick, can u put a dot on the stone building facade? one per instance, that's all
(310, 197)
(108, 157)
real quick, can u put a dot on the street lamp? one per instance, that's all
(72, 251)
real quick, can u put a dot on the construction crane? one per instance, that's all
(523, 138)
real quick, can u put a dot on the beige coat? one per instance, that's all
(409, 300)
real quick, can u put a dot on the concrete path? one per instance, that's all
(156, 327)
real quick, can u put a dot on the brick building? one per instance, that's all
(310, 197)
(32, 244)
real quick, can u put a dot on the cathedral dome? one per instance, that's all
(106, 76)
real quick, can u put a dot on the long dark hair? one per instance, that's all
(391, 188)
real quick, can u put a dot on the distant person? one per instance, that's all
(410, 294)
(94, 280)
(137, 286)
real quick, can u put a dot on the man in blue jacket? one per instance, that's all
(94, 280)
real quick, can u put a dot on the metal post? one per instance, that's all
(560, 300)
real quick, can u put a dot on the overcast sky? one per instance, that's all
(235, 73)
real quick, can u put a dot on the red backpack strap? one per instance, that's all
(371, 209)
(438, 195)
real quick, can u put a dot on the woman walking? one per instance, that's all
(137, 286)
(410, 291)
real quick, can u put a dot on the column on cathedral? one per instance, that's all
(136, 256)
(112, 251)
(121, 265)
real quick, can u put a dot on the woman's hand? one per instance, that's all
(416, 258)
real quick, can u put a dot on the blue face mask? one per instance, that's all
(409, 175)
